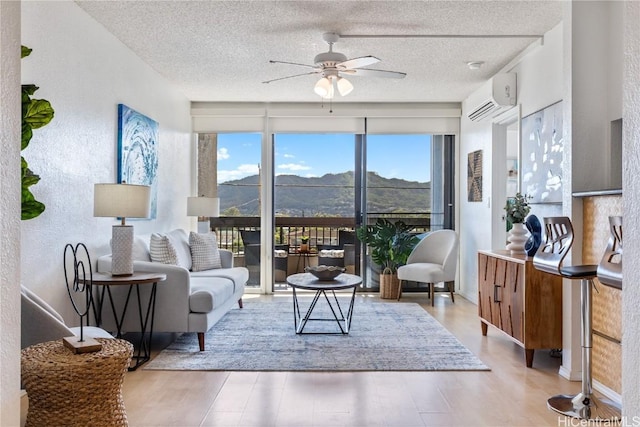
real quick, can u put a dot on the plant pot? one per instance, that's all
(304, 247)
(389, 284)
(517, 238)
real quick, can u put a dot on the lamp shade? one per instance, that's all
(324, 87)
(344, 86)
(203, 206)
(122, 200)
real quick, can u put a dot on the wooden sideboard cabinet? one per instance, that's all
(521, 301)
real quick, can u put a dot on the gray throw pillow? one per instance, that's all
(204, 251)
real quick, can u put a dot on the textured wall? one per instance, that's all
(9, 214)
(84, 72)
(631, 208)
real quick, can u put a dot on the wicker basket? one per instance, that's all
(67, 389)
(389, 284)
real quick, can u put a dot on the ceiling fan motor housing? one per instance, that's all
(329, 59)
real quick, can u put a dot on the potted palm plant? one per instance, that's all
(390, 244)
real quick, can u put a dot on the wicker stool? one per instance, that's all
(66, 389)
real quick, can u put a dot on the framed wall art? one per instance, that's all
(474, 176)
(138, 151)
(542, 153)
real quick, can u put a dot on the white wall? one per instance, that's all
(539, 84)
(631, 208)
(84, 72)
(9, 214)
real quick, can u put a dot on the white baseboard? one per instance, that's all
(570, 375)
(607, 392)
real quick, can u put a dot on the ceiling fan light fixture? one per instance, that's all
(344, 86)
(324, 88)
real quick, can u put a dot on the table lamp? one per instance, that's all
(122, 201)
(204, 208)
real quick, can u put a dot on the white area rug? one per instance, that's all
(261, 337)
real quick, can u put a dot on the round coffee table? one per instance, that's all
(308, 281)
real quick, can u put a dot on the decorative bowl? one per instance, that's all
(325, 272)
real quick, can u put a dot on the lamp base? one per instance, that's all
(203, 227)
(122, 250)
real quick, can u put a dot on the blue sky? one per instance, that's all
(392, 156)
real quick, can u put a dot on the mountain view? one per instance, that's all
(328, 195)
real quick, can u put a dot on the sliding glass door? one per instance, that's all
(324, 185)
(314, 202)
(398, 185)
(239, 173)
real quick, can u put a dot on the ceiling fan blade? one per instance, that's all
(366, 72)
(292, 63)
(290, 77)
(358, 62)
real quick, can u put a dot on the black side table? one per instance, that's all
(143, 351)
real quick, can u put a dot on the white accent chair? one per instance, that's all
(433, 260)
(41, 323)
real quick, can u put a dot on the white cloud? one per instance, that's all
(289, 156)
(294, 167)
(223, 154)
(240, 172)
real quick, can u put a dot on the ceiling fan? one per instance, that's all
(333, 66)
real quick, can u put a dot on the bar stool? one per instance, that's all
(549, 258)
(610, 268)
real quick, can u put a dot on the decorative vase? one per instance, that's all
(517, 238)
(535, 235)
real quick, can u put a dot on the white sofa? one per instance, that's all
(186, 301)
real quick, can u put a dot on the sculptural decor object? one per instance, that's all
(535, 235)
(80, 283)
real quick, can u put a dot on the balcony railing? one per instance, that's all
(290, 230)
(288, 233)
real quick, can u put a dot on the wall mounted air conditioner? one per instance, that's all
(502, 94)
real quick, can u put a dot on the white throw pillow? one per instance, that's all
(180, 242)
(204, 251)
(161, 250)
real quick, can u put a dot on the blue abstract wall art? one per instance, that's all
(138, 151)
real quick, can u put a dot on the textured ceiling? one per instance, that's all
(220, 50)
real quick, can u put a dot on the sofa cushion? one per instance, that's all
(162, 250)
(141, 249)
(180, 241)
(331, 253)
(204, 251)
(239, 275)
(207, 294)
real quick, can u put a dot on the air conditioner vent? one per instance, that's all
(502, 96)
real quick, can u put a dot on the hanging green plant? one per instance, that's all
(35, 114)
